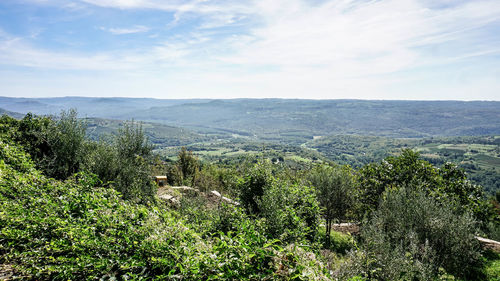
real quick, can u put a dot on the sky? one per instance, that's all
(314, 49)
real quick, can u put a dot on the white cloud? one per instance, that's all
(356, 35)
(290, 48)
(196, 6)
(131, 30)
(15, 51)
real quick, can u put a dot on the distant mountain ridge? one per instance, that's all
(10, 113)
(289, 120)
(87, 106)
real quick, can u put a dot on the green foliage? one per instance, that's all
(217, 177)
(492, 265)
(479, 156)
(411, 236)
(28, 132)
(131, 142)
(446, 184)
(340, 243)
(174, 175)
(101, 159)
(58, 147)
(336, 189)
(188, 165)
(66, 138)
(125, 164)
(406, 169)
(228, 218)
(419, 227)
(253, 185)
(73, 230)
(493, 230)
(56, 144)
(291, 211)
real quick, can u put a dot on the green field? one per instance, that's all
(479, 156)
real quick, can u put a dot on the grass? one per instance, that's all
(297, 158)
(492, 267)
(488, 160)
(340, 243)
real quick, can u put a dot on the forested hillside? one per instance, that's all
(286, 120)
(478, 156)
(353, 132)
(160, 135)
(77, 209)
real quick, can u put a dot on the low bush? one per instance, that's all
(413, 237)
(74, 230)
(290, 210)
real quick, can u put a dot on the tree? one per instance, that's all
(65, 138)
(449, 183)
(125, 164)
(405, 169)
(253, 185)
(291, 211)
(131, 142)
(56, 144)
(188, 164)
(336, 193)
(411, 236)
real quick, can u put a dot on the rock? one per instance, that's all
(170, 199)
(489, 244)
(228, 200)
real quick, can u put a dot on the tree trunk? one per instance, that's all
(328, 231)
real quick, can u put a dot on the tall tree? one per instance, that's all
(65, 137)
(336, 193)
(188, 164)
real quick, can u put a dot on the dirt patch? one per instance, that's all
(6, 272)
(351, 228)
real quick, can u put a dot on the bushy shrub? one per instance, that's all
(66, 138)
(53, 230)
(214, 177)
(101, 159)
(56, 144)
(411, 236)
(124, 164)
(493, 230)
(188, 165)
(340, 243)
(252, 186)
(449, 183)
(227, 218)
(174, 175)
(291, 211)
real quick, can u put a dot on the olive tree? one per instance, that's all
(412, 234)
(125, 163)
(336, 193)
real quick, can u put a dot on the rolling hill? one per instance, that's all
(287, 120)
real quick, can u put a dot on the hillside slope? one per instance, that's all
(288, 120)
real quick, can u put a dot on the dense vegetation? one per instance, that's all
(353, 132)
(478, 156)
(81, 209)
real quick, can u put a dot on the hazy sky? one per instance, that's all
(377, 49)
